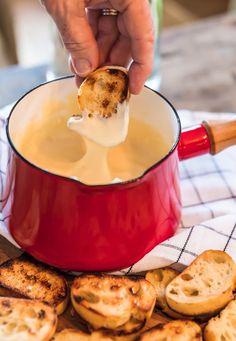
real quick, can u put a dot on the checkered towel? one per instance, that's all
(208, 186)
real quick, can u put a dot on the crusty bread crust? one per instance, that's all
(102, 91)
(34, 280)
(75, 335)
(178, 330)
(222, 327)
(119, 303)
(205, 287)
(26, 320)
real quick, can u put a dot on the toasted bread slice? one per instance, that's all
(222, 327)
(173, 331)
(205, 287)
(160, 278)
(75, 335)
(103, 90)
(115, 302)
(34, 280)
(26, 320)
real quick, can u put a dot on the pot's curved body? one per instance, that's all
(72, 226)
(91, 228)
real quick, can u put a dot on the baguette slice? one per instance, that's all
(119, 303)
(205, 287)
(34, 280)
(160, 278)
(173, 331)
(75, 335)
(103, 90)
(26, 320)
(222, 327)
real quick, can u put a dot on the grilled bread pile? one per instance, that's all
(199, 302)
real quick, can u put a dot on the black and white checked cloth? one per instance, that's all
(208, 186)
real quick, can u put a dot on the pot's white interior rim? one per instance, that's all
(166, 106)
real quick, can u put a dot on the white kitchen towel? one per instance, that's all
(208, 186)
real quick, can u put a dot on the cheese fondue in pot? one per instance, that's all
(51, 145)
(95, 146)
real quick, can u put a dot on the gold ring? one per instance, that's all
(109, 11)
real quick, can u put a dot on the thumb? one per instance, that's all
(77, 35)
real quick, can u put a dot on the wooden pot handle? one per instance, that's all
(222, 134)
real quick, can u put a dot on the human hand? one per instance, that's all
(93, 40)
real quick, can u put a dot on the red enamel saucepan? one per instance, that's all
(74, 226)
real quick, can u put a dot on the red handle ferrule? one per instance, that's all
(194, 141)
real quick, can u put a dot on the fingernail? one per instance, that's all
(82, 66)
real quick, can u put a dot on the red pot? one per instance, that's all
(65, 223)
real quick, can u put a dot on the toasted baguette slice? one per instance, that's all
(26, 320)
(75, 335)
(103, 90)
(173, 331)
(222, 327)
(34, 280)
(114, 302)
(205, 287)
(160, 278)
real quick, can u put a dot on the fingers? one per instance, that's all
(136, 24)
(117, 37)
(93, 16)
(107, 36)
(106, 33)
(141, 67)
(120, 53)
(77, 35)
